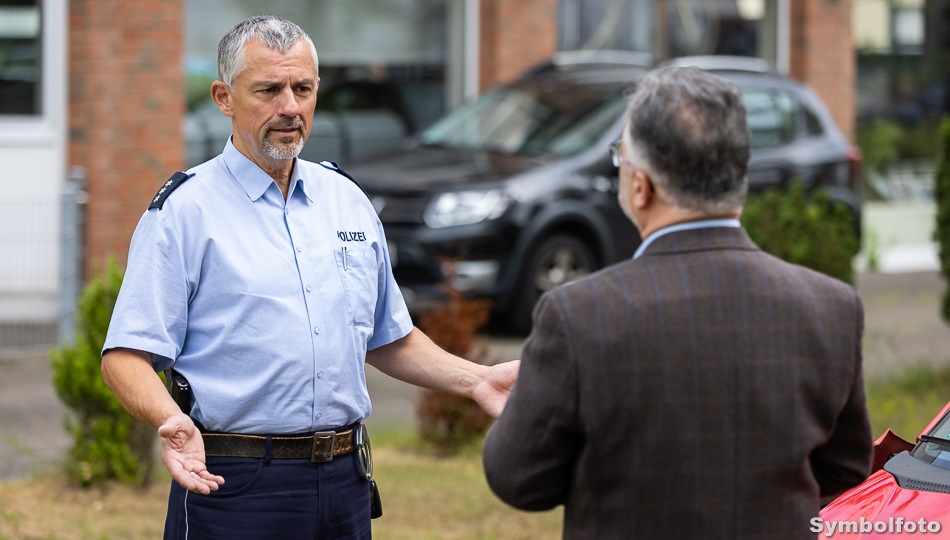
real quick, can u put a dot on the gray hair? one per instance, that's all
(689, 133)
(274, 32)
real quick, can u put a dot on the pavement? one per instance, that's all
(903, 330)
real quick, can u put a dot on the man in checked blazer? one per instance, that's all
(704, 389)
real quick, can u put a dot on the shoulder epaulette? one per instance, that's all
(172, 184)
(336, 168)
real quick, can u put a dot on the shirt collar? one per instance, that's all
(685, 226)
(252, 178)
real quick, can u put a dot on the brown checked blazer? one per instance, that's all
(704, 390)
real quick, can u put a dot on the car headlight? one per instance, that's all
(465, 207)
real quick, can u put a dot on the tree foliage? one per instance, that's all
(942, 199)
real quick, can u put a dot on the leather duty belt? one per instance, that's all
(320, 447)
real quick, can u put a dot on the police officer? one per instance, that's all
(265, 281)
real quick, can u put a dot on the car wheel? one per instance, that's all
(557, 260)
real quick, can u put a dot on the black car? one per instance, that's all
(514, 193)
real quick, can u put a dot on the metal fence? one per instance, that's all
(910, 180)
(40, 269)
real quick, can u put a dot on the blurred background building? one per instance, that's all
(101, 100)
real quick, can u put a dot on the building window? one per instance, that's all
(20, 57)
(908, 31)
(625, 25)
(671, 28)
(382, 68)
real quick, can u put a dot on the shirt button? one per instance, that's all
(319, 374)
(299, 249)
(316, 329)
(309, 288)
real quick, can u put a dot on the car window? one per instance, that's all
(812, 124)
(559, 120)
(934, 447)
(771, 116)
(470, 125)
(942, 429)
(578, 131)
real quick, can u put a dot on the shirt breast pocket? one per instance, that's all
(358, 275)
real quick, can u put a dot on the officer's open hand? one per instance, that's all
(493, 390)
(183, 452)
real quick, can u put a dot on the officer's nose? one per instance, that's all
(287, 103)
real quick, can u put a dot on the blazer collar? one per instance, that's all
(715, 238)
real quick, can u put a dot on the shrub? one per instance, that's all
(942, 199)
(803, 229)
(108, 443)
(446, 421)
(879, 143)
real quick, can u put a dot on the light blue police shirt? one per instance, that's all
(266, 307)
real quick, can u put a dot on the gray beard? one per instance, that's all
(283, 151)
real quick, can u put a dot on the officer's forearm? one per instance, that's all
(129, 374)
(417, 360)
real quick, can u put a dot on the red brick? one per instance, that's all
(822, 55)
(126, 111)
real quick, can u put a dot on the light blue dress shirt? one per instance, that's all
(685, 226)
(266, 307)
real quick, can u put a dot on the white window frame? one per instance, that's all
(50, 126)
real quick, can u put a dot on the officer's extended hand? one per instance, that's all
(493, 390)
(183, 452)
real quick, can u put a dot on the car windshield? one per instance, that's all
(942, 429)
(934, 447)
(529, 119)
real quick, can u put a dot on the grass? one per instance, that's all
(906, 404)
(424, 497)
(446, 498)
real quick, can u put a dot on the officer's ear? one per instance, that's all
(221, 94)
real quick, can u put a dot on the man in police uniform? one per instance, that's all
(265, 281)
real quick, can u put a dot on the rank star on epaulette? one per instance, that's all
(172, 184)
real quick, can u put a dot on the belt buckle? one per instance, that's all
(322, 449)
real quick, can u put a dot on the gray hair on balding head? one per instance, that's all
(274, 32)
(688, 128)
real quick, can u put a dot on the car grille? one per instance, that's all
(400, 210)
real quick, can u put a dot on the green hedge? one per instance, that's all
(805, 229)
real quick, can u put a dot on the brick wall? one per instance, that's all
(822, 55)
(125, 111)
(514, 36)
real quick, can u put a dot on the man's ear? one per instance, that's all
(642, 189)
(221, 94)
